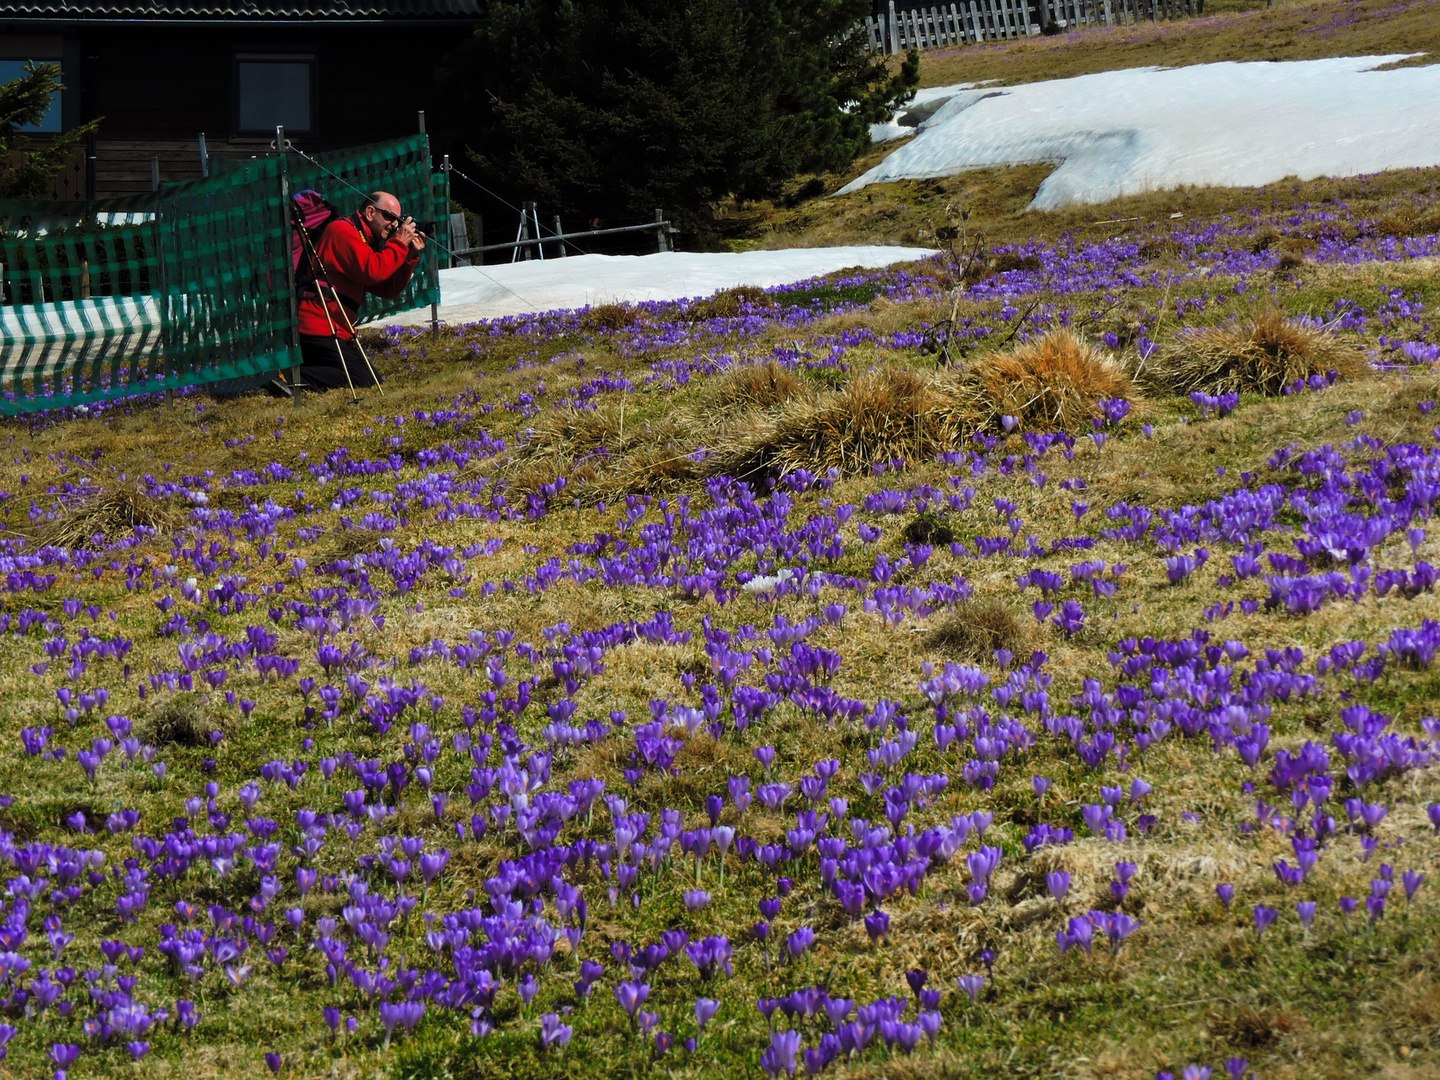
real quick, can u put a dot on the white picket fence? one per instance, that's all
(972, 21)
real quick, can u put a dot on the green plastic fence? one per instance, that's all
(190, 285)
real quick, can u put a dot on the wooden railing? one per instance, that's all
(972, 21)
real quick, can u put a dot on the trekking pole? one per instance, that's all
(355, 337)
(315, 269)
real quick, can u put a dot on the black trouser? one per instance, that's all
(324, 361)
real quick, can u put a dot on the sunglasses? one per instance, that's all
(392, 218)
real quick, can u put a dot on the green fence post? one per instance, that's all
(168, 334)
(289, 266)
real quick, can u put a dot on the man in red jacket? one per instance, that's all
(375, 250)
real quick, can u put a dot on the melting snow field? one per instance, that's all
(470, 293)
(1123, 132)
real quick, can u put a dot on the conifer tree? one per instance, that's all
(28, 167)
(610, 108)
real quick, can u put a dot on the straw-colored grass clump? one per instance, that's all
(762, 420)
(729, 303)
(1055, 382)
(746, 387)
(879, 416)
(106, 516)
(1051, 383)
(975, 629)
(1262, 356)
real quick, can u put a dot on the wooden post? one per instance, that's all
(996, 26)
(894, 33)
(663, 237)
(84, 279)
(522, 250)
(204, 158)
(154, 174)
(1025, 16)
(560, 236)
(975, 22)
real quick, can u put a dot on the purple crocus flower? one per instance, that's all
(877, 925)
(1412, 880)
(1057, 882)
(631, 995)
(972, 985)
(1226, 893)
(553, 1032)
(705, 1010)
(1265, 916)
(64, 1054)
(779, 1056)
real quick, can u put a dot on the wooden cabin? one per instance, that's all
(162, 73)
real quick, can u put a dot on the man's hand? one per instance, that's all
(406, 234)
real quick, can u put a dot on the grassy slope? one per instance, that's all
(1195, 984)
(912, 212)
(1287, 31)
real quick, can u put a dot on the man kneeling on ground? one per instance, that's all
(375, 250)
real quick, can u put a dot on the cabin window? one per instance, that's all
(274, 90)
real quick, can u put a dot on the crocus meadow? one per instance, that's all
(360, 750)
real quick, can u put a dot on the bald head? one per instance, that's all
(379, 217)
(385, 201)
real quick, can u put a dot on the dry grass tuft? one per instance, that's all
(569, 433)
(878, 416)
(648, 470)
(975, 629)
(181, 721)
(729, 303)
(608, 317)
(1262, 357)
(1254, 1029)
(110, 516)
(753, 386)
(1054, 382)
(894, 413)
(1409, 222)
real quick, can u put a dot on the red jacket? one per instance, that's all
(353, 268)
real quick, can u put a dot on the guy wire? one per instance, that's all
(429, 240)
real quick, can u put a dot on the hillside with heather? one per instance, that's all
(1018, 662)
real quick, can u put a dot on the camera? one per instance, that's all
(428, 228)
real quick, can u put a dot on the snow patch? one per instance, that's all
(471, 293)
(1123, 132)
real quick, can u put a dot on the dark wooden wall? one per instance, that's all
(157, 88)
